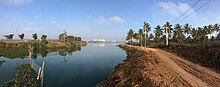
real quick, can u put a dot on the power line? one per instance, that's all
(189, 9)
(195, 11)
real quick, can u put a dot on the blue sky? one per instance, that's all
(90, 19)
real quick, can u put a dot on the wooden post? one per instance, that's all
(42, 70)
(38, 75)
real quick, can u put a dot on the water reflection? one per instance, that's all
(23, 52)
(25, 77)
(1, 62)
(74, 67)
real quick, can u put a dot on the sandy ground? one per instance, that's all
(194, 74)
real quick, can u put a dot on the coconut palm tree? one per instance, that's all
(216, 27)
(130, 35)
(147, 28)
(140, 34)
(178, 33)
(187, 30)
(202, 32)
(194, 35)
(158, 32)
(34, 36)
(167, 29)
(136, 37)
(21, 36)
(151, 37)
(10, 36)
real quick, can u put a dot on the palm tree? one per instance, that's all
(167, 29)
(130, 35)
(158, 32)
(136, 37)
(216, 27)
(211, 29)
(194, 34)
(34, 36)
(178, 33)
(187, 30)
(147, 28)
(202, 32)
(151, 37)
(21, 36)
(140, 34)
(208, 30)
(10, 36)
(44, 37)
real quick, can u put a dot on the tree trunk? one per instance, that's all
(145, 40)
(167, 37)
(140, 42)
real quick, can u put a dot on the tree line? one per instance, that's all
(21, 36)
(181, 34)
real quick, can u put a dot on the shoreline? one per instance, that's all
(130, 73)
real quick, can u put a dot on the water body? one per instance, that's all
(82, 68)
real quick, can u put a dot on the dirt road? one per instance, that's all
(192, 74)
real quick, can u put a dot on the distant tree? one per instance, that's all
(70, 39)
(187, 31)
(78, 39)
(130, 35)
(10, 36)
(158, 33)
(44, 40)
(218, 36)
(194, 34)
(178, 33)
(136, 36)
(216, 27)
(43, 37)
(147, 28)
(140, 36)
(151, 37)
(62, 37)
(21, 36)
(167, 29)
(34, 36)
(211, 29)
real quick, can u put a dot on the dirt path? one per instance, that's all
(193, 74)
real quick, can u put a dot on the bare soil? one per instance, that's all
(154, 67)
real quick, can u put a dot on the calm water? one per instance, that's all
(83, 68)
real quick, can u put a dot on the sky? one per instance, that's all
(106, 19)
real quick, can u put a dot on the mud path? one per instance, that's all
(194, 74)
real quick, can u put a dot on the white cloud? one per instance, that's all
(38, 16)
(15, 2)
(110, 20)
(116, 19)
(52, 22)
(175, 9)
